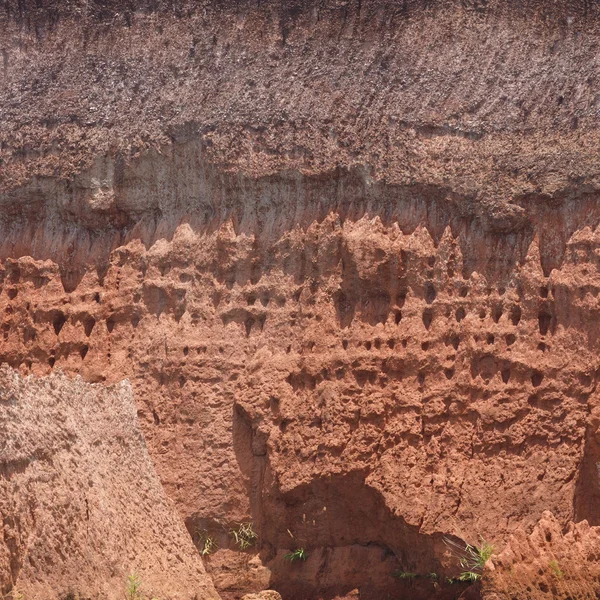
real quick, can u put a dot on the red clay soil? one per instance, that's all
(345, 252)
(550, 563)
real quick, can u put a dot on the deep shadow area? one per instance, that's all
(351, 539)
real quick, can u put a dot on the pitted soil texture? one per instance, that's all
(81, 505)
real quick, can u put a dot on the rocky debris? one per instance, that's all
(234, 573)
(547, 564)
(81, 504)
(264, 595)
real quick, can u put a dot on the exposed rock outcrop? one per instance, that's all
(81, 505)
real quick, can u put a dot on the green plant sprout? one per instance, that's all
(298, 554)
(553, 564)
(471, 558)
(133, 587)
(406, 575)
(206, 543)
(244, 536)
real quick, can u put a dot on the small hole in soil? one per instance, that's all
(515, 315)
(490, 338)
(378, 344)
(536, 379)
(58, 322)
(427, 318)
(186, 350)
(542, 347)
(510, 339)
(482, 314)
(496, 313)
(505, 375)
(404, 343)
(88, 325)
(544, 319)
(368, 345)
(83, 352)
(110, 324)
(460, 314)
(430, 293)
(401, 298)
(52, 362)
(345, 344)
(463, 292)
(12, 293)
(449, 373)
(397, 317)
(421, 378)
(425, 346)
(453, 341)
(155, 417)
(543, 292)
(391, 344)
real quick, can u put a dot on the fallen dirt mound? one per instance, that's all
(81, 505)
(547, 565)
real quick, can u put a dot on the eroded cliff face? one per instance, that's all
(552, 562)
(347, 255)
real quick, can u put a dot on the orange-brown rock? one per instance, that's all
(81, 506)
(549, 563)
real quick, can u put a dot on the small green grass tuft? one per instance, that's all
(556, 570)
(206, 543)
(298, 554)
(471, 558)
(133, 587)
(244, 535)
(405, 575)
